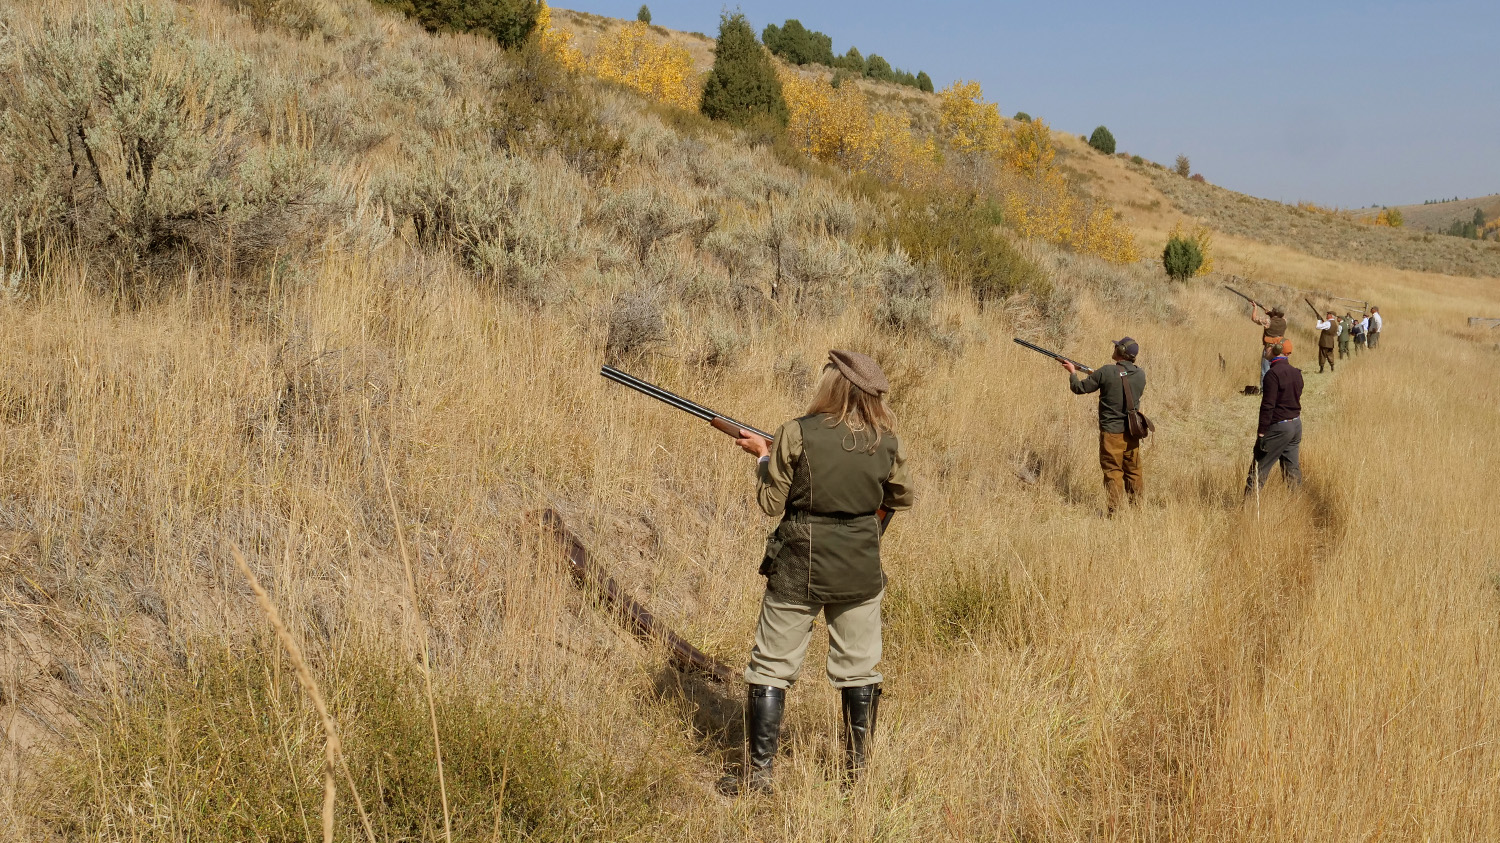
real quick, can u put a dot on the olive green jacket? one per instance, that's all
(827, 485)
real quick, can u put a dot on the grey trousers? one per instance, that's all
(1373, 339)
(785, 629)
(1279, 445)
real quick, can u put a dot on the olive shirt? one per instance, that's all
(1105, 380)
(828, 487)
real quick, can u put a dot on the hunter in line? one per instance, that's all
(829, 474)
(1279, 434)
(1273, 330)
(1120, 386)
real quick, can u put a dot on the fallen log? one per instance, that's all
(592, 577)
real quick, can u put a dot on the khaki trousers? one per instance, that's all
(1120, 457)
(785, 628)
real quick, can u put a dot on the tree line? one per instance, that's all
(799, 45)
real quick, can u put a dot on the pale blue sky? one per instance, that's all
(1340, 103)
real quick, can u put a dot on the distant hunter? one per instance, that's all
(1273, 330)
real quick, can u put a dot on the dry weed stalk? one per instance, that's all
(333, 748)
(411, 593)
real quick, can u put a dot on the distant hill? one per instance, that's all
(1439, 215)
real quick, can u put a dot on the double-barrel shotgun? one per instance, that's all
(719, 421)
(1055, 356)
(1245, 297)
(1316, 315)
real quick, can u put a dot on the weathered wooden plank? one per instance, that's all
(1482, 322)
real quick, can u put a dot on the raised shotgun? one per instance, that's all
(720, 422)
(1054, 355)
(1316, 315)
(1245, 297)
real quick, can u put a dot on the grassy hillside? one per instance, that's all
(1439, 215)
(400, 369)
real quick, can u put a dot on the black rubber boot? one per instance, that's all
(763, 707)
(861, 705)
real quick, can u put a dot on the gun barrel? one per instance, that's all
(1242, 295)
(670, 398)
(1054, 355)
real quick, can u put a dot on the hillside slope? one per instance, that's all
(373, 406)
(1440, 215)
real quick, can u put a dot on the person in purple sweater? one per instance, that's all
(1279, 434)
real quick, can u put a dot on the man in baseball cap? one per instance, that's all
(1120, 386)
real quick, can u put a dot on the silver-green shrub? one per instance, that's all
(128, 140)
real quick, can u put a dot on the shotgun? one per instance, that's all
(1316, 315)
(719, 421)
(1055, 356)
(1245, 297)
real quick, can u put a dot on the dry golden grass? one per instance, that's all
(1300, 667)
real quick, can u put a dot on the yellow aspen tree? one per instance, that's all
(967, 123)
(661, 72)
(557, 42)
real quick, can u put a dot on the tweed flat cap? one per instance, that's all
(862, 371)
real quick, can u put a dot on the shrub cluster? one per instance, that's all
(127, 140)
(960, 239)
(799, 45)
(509, 22)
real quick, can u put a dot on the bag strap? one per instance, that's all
(1129, 396)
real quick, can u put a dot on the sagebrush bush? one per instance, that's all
(906, 295)
(955, 236)
(127, 139)
(637, 322)
(646, 216)
(539, 105)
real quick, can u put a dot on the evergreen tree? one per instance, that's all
(644, 15)
(1103, 140)
(797, 44)
(509, 22)
(924, 82)
(878, 68)
(1022, 117)
(742, 87)
(1181, 258)
(851, 61)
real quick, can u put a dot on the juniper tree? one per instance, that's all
(1103, 140)
(742, 87)
(644, 15)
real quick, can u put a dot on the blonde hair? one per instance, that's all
(844, 403)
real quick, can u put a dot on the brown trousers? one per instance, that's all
(1325, 355)
(1120, 457)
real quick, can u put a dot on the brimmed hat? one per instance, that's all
(1276, 311)
(862, 371)
(1128, 347)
